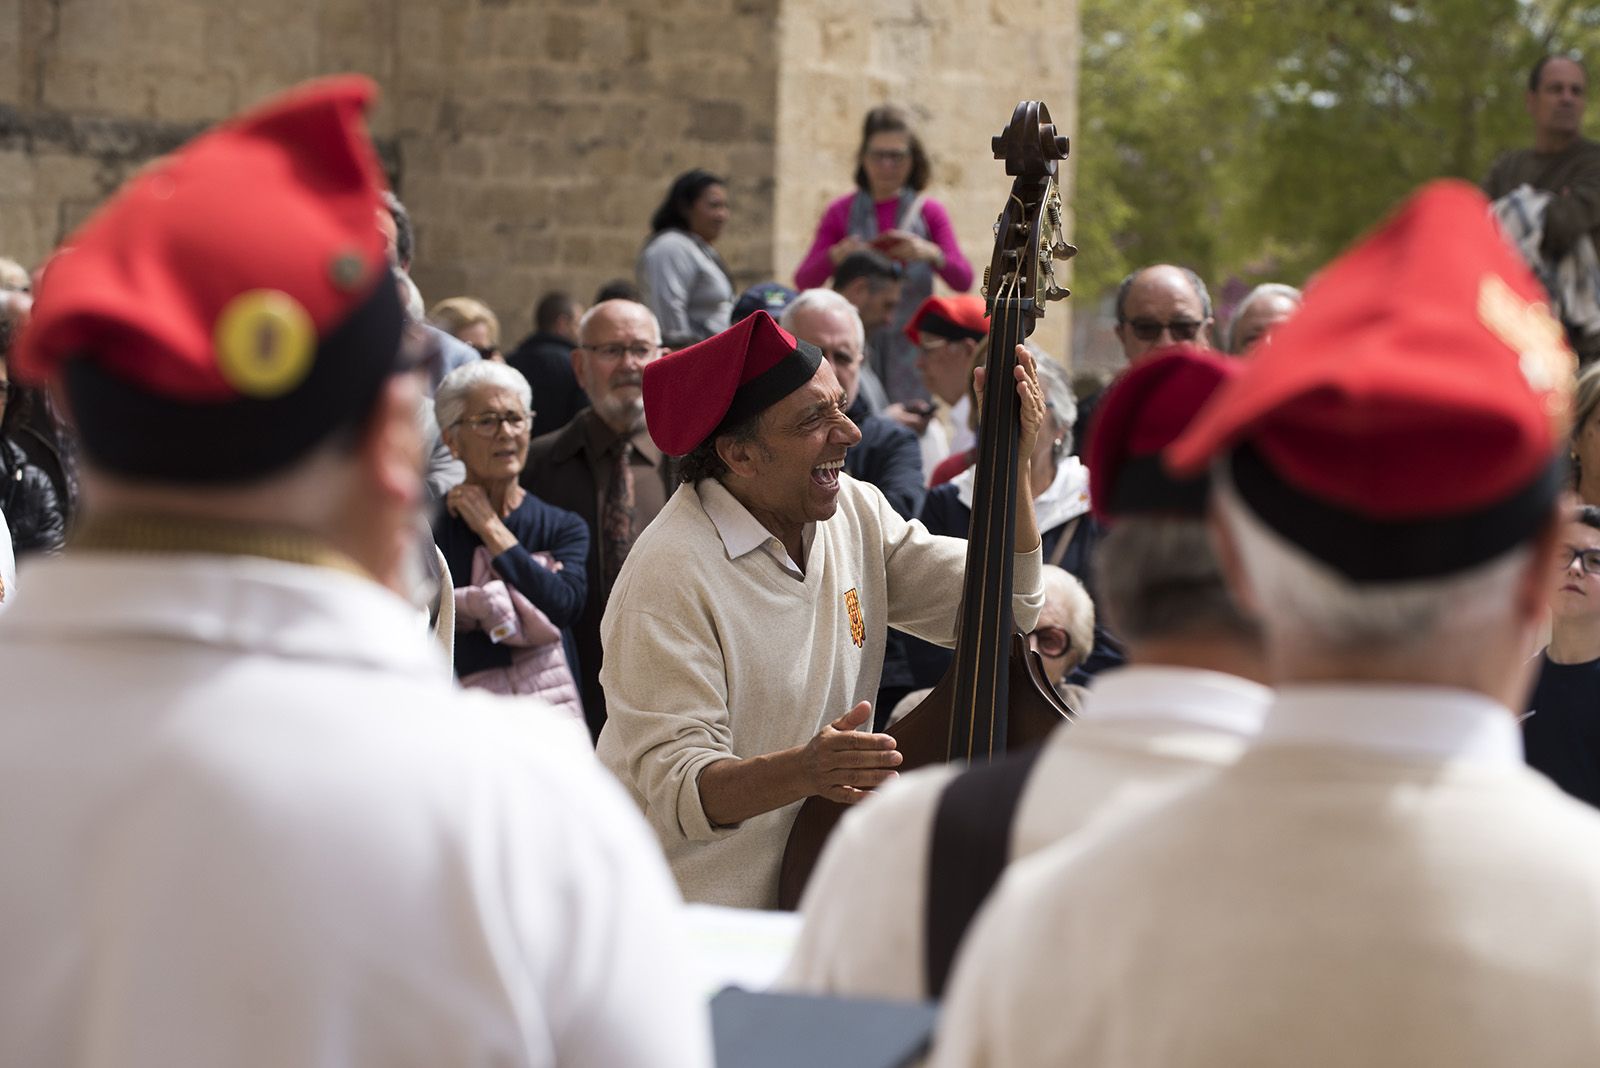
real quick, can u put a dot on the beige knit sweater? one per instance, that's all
(709, 658)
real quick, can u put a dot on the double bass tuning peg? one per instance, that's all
(1061, 250)
(1052, 144)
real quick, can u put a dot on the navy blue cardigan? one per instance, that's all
(538, 527)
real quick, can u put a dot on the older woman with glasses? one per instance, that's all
(517, 562)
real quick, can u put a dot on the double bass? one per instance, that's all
(995, 694)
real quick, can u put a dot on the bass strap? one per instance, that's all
(969, 850)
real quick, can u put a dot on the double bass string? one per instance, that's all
(997, 443)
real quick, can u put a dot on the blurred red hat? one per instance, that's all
(954, 318)
(232, 304)
(1142, 412)
(722, 380)
(1409, 421)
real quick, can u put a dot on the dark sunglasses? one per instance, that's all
(1150, 329)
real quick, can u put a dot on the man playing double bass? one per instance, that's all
(746, 631)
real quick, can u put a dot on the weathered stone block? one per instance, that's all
(715, 120)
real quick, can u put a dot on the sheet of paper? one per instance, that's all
(740, 947)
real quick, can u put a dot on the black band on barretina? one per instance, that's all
(773, 384)
(1143, 487)
(129, 431)
(1364, 549)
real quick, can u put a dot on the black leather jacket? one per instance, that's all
(33, 510)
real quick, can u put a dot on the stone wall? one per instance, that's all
(532, 139)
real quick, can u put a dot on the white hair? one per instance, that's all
(1265, 289)
(825, 300)
(450, 399)
(1062, 589)
(1057, 387)
(1300, 596)
(1158, 578)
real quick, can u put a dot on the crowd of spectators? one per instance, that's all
(1236, 510)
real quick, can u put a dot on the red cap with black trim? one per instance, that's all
(689, 395)
(232, 305)
(1143, 411)
(1409, 422)
(952, 318)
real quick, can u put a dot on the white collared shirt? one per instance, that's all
(249, 819)
(743, 533)
(1403, 721)
(1178, 696)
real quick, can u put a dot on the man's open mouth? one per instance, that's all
(827, 474)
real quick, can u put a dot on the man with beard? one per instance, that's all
(604, 466)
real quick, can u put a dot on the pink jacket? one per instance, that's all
(538, 665)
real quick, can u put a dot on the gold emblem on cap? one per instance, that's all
(1543, 357)
(346, 270)
(265, 343)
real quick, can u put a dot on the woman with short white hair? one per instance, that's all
(517, 562)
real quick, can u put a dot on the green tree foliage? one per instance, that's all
(1252, 139)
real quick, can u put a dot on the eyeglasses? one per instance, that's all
(639, 350)
(488, 424)
(1150, 329)
(1590, 558)
(888, 155)
(1051, 641)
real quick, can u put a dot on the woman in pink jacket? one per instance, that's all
(889, 212)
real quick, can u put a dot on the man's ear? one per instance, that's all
(1230, 561)
(742, 457)
(578, 359)
(390, 447)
